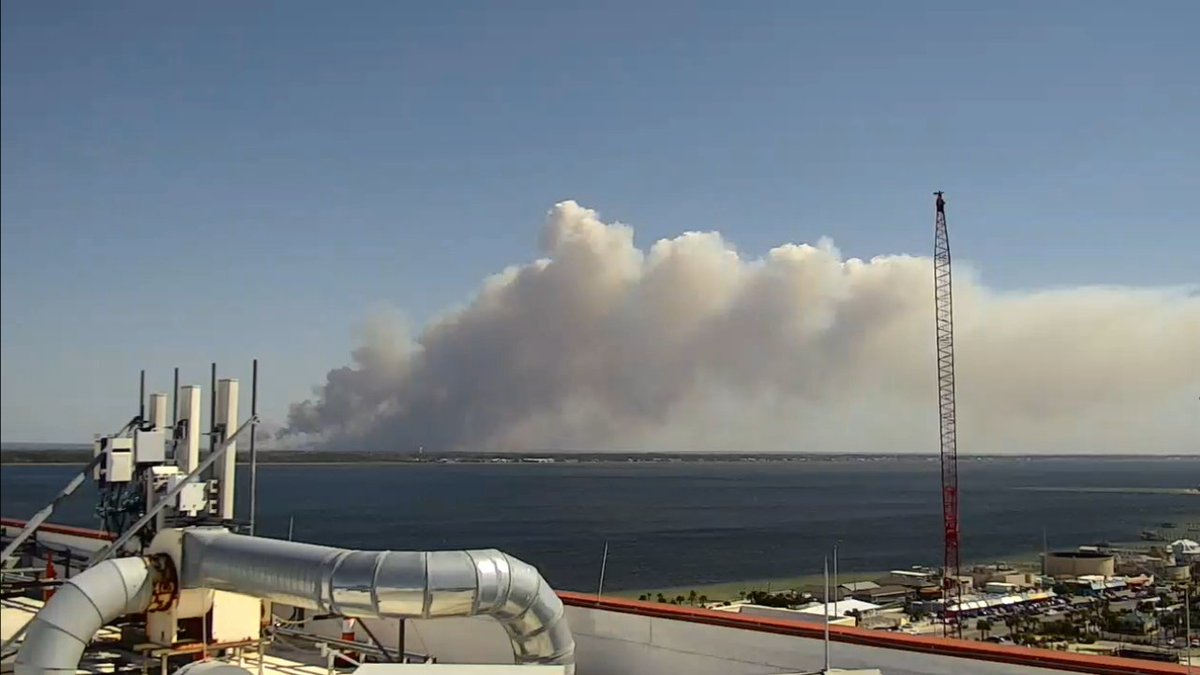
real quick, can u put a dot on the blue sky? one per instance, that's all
(185, 182)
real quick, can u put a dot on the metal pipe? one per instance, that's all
(58, 634)
(142, 398)
(393, 584)
(212, 410)
(211, 668)
(837, 594)
(386, 656)
(337, 643)
(826, 669)
(400, 641)
(253, 451)
(1187, 622)
(175, 400)
(603, 564)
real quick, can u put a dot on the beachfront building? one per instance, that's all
(1185, 551)
(882, 595)
(1080, 563)
(981, 575)
(784, 614)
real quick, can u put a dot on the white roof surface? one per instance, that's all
(859, 586)
(457, 669)
(1186, 546)
(839, 608)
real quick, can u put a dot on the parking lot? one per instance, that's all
(1056, 608)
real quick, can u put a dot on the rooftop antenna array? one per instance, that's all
(149, 474)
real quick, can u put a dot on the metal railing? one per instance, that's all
(375, 651)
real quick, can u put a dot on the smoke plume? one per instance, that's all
(691, 346)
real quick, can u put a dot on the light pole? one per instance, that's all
(825, 671)
(1187, 623)
(836, 593)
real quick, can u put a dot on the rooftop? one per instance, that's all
(1082, 555)
(625, 637)
(839, 608)
(859, 586)
(885, 590)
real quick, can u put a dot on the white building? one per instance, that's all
(845, 607)
(1185, 551)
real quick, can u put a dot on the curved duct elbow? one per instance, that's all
(59, 633)
(211, 668)
(396, 584)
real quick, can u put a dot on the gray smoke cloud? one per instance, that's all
(691, 346)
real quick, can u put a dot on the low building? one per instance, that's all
(1136, 623)
(1080, 563)
(1094, 584)
(1021, 580)
(1083, 601)
(852, 587)
(1139, 581)
(1185, 551)
(975, 603)
(884, 620)
(841, 608)
(882, 595)
(1133, 564)
(1175, 573)
(982, 575)
(910, 578)
(785, 614)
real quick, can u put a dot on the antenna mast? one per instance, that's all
(944, 303)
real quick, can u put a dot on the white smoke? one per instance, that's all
(690, 346)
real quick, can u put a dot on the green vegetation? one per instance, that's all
(736, 590)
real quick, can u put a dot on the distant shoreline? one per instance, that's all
(1117, 490)
(26, 456)
(69, 462)
(728, 590)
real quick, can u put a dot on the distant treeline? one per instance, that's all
(83, 455)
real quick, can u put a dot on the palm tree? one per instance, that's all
(1082, 618)
(1168, 622)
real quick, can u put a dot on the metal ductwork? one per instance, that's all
(211, 668)
(387, 584)
(58, 634)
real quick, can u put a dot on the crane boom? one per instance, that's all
(944, 306)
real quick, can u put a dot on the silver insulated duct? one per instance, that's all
(62, 629)
(395, 584)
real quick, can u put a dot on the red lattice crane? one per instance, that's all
(944, 304)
